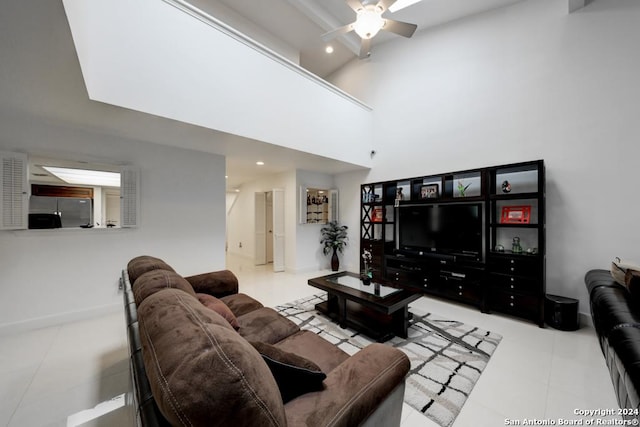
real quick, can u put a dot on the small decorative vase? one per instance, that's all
(516, 248)
(335, 262)
(366, 280)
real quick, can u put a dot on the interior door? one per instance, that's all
(278, 229)
(261, 228)
(269, 225)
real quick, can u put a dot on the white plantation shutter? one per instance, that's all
(14, 202)
(333, 205)
(129, 197)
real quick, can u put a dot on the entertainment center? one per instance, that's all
(474, 236)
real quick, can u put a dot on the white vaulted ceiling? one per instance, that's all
(298, 24)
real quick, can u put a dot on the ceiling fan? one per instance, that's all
(369, 22)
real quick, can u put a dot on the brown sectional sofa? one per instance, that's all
(204, 354)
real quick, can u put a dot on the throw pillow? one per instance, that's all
(213, 303)
(619, 269)
(295, 375)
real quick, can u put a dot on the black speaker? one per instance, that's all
(561, 312)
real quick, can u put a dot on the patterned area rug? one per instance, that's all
(447, 357)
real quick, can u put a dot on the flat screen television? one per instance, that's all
(454, 230)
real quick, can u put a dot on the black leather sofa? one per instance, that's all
(616, 318)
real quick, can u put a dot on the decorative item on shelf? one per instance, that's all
(515, 215)
(376, 214)
(367, 273)
(506, 186)
(399, 195)
(499, 248)
(532, 251)
(369, 197)
(429, 191)
(515, 246)
(334, 239)
(462, 188)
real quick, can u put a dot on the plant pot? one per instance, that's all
(335, 262)
(366, 280)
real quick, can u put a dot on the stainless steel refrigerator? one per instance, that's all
(73, 212)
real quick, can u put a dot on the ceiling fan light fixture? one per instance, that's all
(369, 21)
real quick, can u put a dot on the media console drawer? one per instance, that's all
(516, 265)
(521, 305)
(518, 284)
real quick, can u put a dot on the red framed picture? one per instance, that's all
(376, 215)
(515, 215)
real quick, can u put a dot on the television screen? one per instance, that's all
(454, 229)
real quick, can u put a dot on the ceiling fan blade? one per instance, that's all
(334, 33)
(355, 4)
(401, 28)
(365, 48)
(385, 4)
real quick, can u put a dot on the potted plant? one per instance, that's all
(334, 239)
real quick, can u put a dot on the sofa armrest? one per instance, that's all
(353, 390)
(217, 283)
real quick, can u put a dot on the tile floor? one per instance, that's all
(77, 374)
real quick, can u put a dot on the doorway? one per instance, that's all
(269, 231)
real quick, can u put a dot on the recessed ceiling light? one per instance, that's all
(226, 177)
(328, 49)
(85, 177)
(260, 163)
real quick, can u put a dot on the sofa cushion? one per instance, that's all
(294, 374)
(315, 348)
(624, 355)
(353, 390)
(216, 283)
(155, 280)
(201, 372)
(213, 303)
(241, 304)
(611, 306)
(140, 265)
(265, 325)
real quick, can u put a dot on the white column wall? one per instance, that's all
(309, 253)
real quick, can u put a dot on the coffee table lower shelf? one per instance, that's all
(379, 326)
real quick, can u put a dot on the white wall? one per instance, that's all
(518, 84)
(51, 276)
(198, 74)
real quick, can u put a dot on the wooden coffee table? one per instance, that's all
(376, 310)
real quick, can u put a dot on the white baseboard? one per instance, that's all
(58, 319)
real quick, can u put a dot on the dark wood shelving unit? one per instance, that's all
(503, 281)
